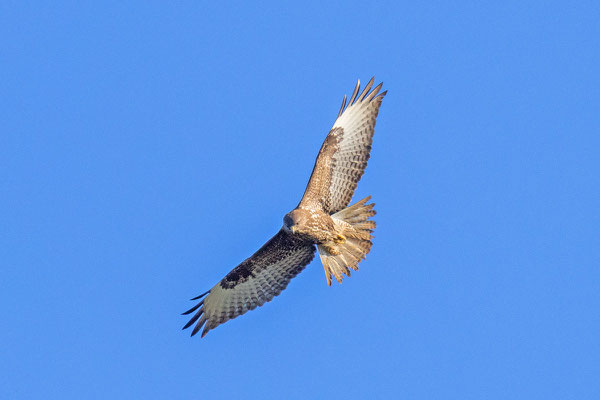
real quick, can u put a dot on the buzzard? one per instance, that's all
(322, 221)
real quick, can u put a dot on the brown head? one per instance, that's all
(296, 221)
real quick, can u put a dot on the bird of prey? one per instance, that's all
(321, 222)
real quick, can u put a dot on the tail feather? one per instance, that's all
(356, 230)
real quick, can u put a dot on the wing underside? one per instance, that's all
(254, 282)
(343, 157)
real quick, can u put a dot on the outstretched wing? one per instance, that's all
(343, 157)
(252, 283)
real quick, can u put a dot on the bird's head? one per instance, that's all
(288, 223)
(294, 221)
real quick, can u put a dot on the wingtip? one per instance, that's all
(366, 90)
(187, 325)
(200, 296)
(191, 310)
(354, 93)
(197, 328)
(342, 107)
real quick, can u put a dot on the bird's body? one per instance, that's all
(322, 219)
(311, 225)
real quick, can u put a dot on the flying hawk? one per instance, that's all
(341, 234)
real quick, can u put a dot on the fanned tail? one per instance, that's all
(353, 242)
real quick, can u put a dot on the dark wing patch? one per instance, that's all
(345, 152)
(240, 274)
(254, 282)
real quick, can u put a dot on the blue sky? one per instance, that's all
(148, 148)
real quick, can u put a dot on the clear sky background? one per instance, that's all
(148, 148)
